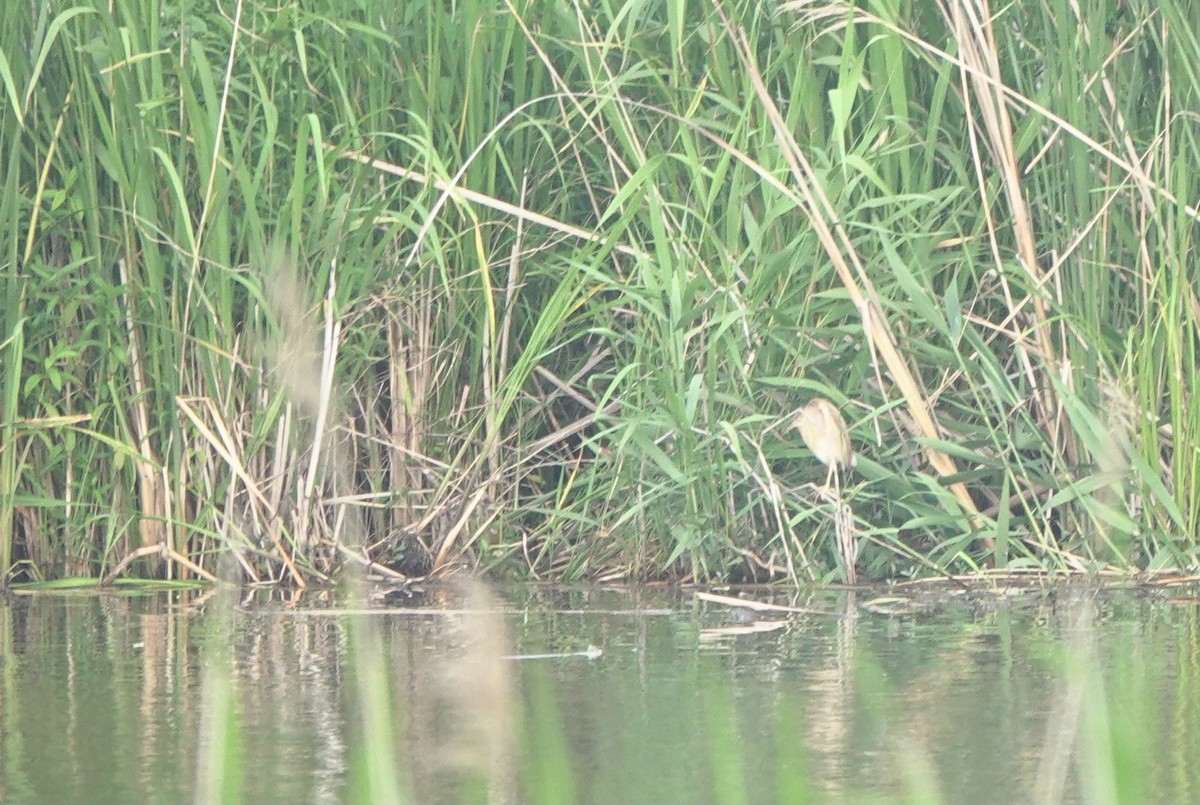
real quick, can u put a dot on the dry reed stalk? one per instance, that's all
(836, 242)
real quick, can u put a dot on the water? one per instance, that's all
(1060, 695)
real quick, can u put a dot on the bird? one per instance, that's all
(826, 435)
(824, 431)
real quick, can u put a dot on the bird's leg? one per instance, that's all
(830, 489)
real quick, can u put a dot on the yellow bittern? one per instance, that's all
(825, 432)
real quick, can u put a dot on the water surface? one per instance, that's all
(1061, 694)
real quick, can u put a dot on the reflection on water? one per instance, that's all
(1043, 696)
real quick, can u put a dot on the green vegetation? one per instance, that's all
(532, 285)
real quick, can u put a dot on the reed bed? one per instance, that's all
(532, 287)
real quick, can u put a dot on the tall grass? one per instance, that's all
(572, 265)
